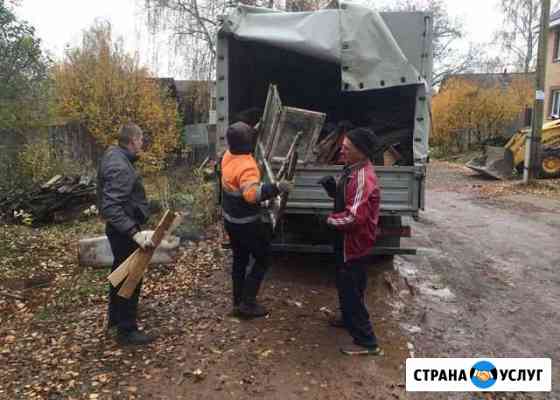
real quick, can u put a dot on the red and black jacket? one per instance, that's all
(356, 211)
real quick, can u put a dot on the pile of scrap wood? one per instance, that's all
(327, 149)
(278, 124)
(60, 199)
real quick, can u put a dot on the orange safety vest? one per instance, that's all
(241, 188)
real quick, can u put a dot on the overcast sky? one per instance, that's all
(60, 22)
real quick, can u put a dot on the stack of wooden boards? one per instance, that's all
(60, 199)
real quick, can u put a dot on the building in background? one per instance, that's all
(552, 80)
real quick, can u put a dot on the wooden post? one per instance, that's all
(533, 148)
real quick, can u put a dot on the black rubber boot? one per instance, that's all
(238, 285)
(249, 308)
(133, 338)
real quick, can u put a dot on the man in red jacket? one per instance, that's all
(355, 218)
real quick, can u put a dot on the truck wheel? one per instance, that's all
(550, 164)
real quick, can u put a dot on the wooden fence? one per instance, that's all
(72, 142)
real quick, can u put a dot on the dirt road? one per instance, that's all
(488, 278)
(484, 284)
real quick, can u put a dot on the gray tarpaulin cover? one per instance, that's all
(352, 35)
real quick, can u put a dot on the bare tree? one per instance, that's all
(193, 25)
(519, 35)
(447, 33)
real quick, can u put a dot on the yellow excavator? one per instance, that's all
(499, 162)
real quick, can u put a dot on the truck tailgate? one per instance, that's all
(400, 190)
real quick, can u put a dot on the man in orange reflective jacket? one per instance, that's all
(242, 191)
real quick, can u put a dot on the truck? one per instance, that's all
(349, 63)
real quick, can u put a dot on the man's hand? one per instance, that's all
(285, 186)
(143, 239)
(322, 221)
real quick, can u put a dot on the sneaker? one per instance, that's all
(357, 350)
(134, 338)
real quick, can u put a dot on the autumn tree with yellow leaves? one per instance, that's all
(463, 107)
(103, 87)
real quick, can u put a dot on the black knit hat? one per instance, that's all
(366, 141)
(241, 138)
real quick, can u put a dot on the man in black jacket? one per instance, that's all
(123, 205)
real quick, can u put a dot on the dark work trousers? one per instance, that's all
(351, 282)
(122, 312)
(248, 239)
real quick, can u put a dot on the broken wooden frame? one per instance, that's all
(270, 120)
(286, 135)
(281, 124)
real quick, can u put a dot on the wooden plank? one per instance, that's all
(290, 172)
(326, 149)
(118, 275)
(287, 171)
(391, 156)
(140, 262)
(135, 265)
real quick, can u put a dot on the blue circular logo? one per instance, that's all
(483, 374)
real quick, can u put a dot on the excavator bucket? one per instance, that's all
(496, 162)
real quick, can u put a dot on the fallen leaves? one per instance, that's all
(198, 374)
(53, 342)
(542, 188)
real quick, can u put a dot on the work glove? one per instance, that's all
(329, 184)
(285, 186)
(322, 221)
(143, 239)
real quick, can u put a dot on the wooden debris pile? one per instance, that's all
(277, 126)
(60, 199)
(327, 149)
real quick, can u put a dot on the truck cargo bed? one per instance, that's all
(400, 192)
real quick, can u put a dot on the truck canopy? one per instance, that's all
(369, 51)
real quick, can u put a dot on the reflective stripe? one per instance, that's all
(248, 186)
(235, 193)
(246, 220)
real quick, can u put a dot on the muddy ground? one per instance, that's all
(483, 284)
(487, 273)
